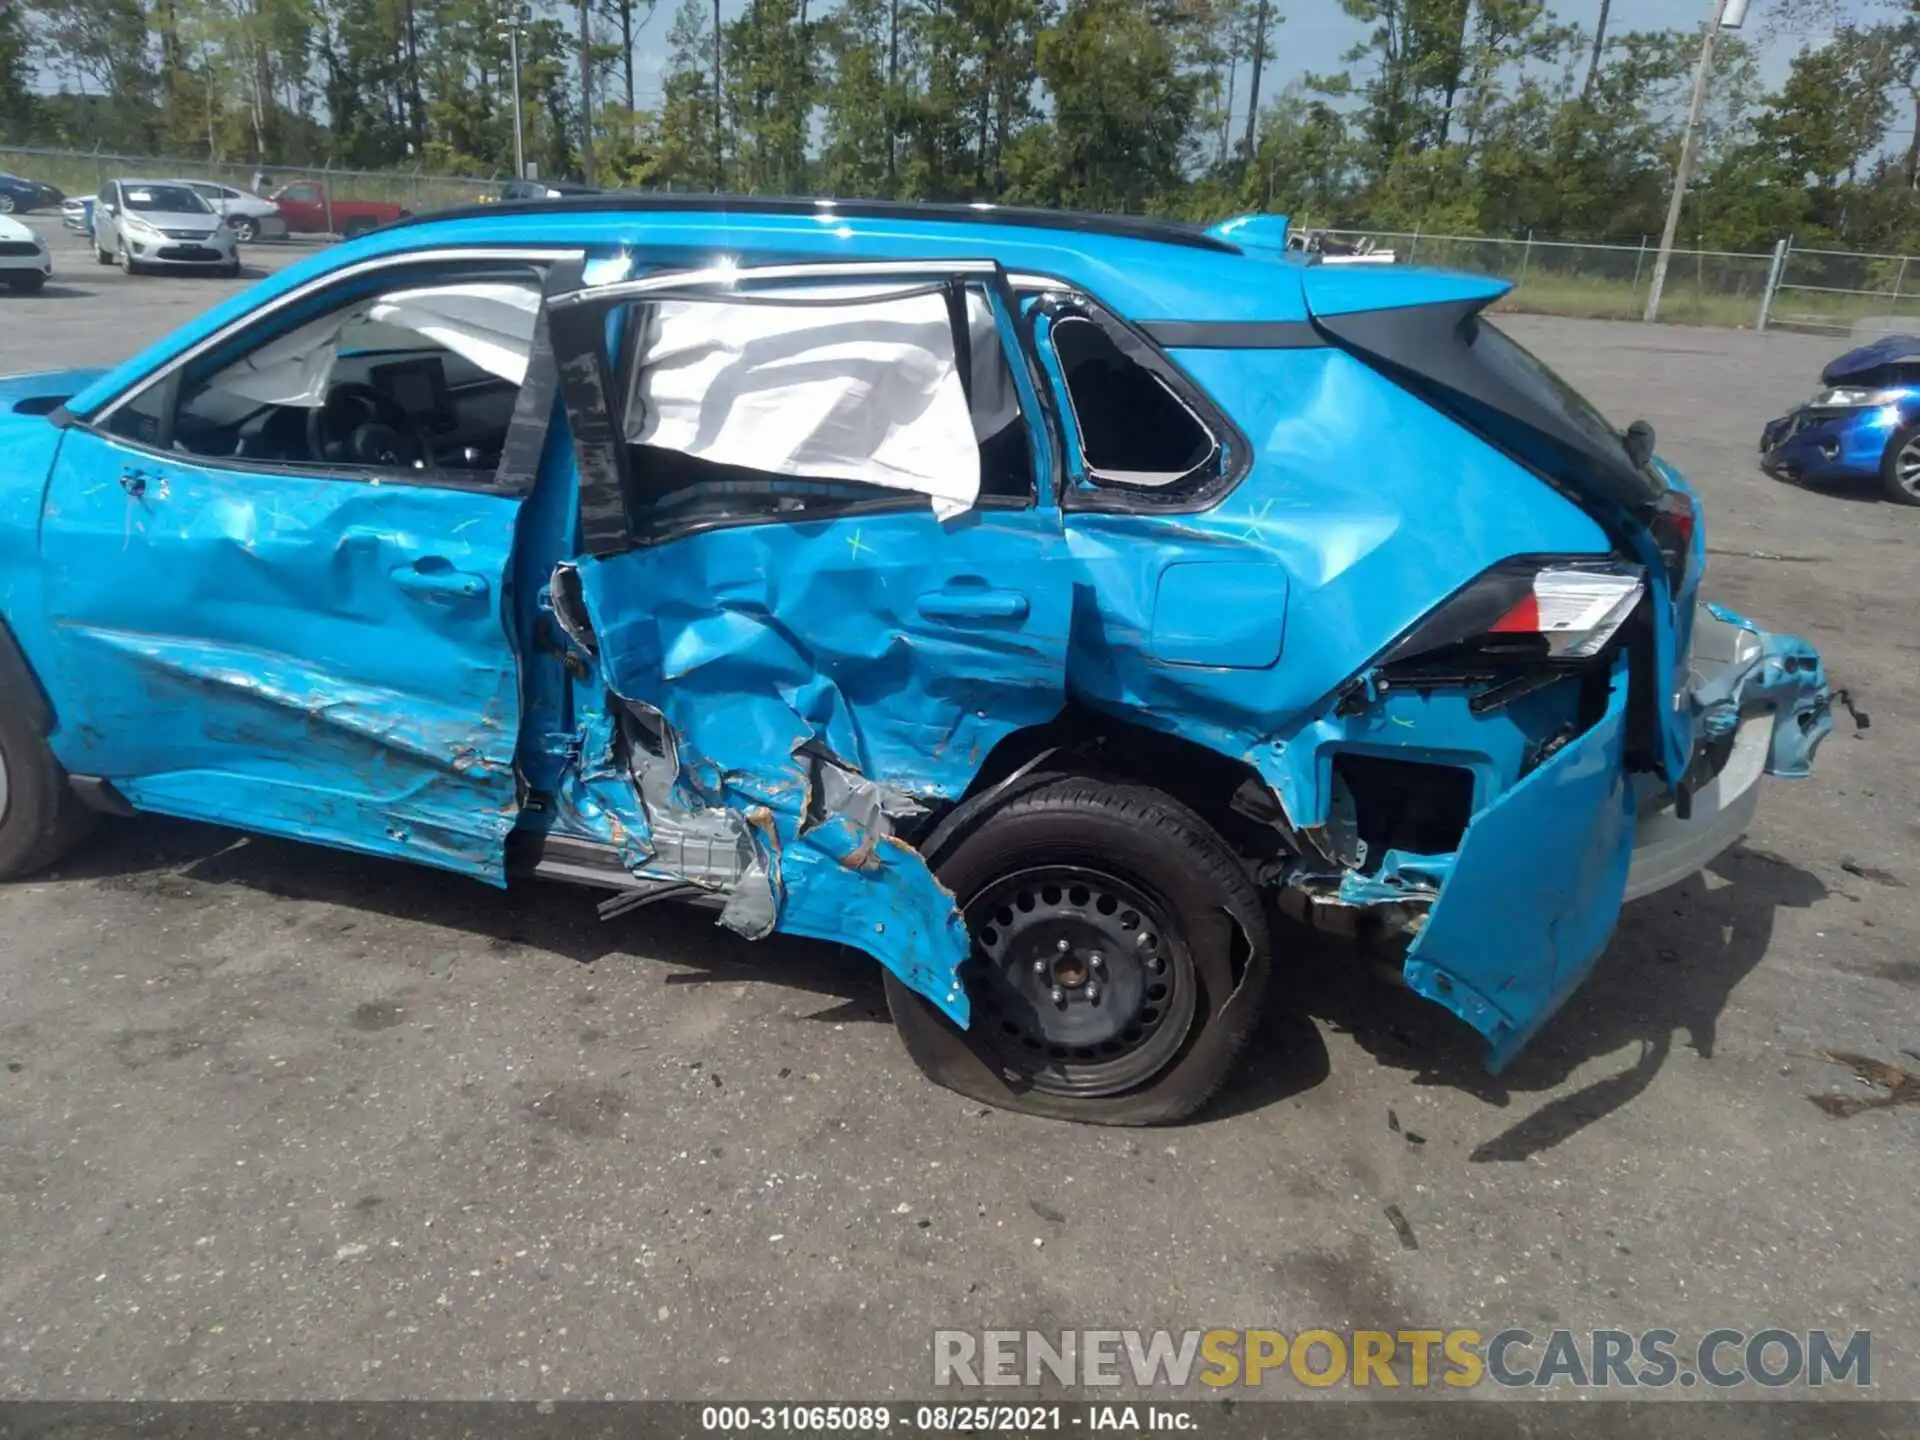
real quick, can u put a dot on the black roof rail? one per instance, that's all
(1126, 227)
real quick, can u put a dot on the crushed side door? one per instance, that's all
(800, 660)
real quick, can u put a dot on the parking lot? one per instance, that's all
(280, 1122)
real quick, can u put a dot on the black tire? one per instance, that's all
(246, 229)
(1901, 492)
(1212, 952)
(27, 284)
(103, 257)
(41, 819)
(230, 271)
(356, 228)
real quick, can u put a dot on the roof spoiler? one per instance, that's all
(1253, 232)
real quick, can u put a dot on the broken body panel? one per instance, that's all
(775, 710)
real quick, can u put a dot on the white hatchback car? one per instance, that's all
(251, 217)
(25, 263)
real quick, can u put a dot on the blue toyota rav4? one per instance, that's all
(1043, 604)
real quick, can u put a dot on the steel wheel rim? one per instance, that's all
(1906, 466)
(1079, 981)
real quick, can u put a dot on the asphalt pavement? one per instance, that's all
(278, 1122)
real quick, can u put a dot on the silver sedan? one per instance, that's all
(160, 225)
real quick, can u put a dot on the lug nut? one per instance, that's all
(1063, 946)
(1039, 967)
(1099, 962)
(1059, 996)
(1093, 994)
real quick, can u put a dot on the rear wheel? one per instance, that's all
(27, 284)
(356, 228)
(41, 819)
(246, 229)
(1120, 958)
(104, 257)
(6, 204)
(1900, 466)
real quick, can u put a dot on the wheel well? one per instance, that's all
(20, 684)
(1085, 742)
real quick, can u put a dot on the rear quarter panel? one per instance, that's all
(1376, 508)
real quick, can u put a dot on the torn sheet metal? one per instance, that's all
(1533, 894)
(824, 682)
(1738, 667)
(867, 391)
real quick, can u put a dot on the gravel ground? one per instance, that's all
(276, 1122)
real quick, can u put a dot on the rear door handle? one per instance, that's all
(440, 580)
(974, 605)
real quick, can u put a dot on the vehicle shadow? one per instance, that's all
(1672, 966)
(1668, 974)
(155, 855)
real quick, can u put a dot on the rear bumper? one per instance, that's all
(1667, 849)
(1530, 900)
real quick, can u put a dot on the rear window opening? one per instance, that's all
(1134, 430)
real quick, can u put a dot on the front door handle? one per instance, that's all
(974, 605)
(440, 580)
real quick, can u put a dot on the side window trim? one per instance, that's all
(1059, 299)
(318, 286)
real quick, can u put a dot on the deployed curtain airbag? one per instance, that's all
(866, 391)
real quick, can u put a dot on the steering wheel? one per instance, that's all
(360, 426)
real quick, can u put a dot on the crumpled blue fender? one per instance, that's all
(1783, 670)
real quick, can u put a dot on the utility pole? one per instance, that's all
(511, 29)
(1259, 58)
(586, 95)
(719, 114)
(1723, 14)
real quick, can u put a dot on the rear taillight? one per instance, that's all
(1525, 612)
(1673, 518)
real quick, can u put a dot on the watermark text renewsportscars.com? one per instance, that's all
(1770, 1358)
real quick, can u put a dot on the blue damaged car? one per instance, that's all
(1053, 607)
(1863, 424)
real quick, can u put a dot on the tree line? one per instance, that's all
(1497, 117)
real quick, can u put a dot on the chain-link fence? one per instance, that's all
(1827, 291)
(1846, 293)
(1610, 282)
(83, 172)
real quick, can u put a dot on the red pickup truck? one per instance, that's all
(308, 210)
